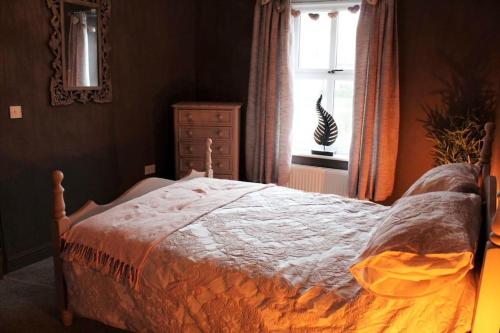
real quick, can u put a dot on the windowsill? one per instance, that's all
(340, 162)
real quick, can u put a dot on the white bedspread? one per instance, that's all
(273, 261)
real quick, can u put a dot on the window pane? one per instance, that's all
(342, 105)
(315, 42)
(305, 119)
(346, 45)
(315, 51)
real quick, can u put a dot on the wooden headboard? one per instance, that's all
(486, 316)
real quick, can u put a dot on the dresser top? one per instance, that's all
(206, 105)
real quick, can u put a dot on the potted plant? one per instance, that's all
(455, 127)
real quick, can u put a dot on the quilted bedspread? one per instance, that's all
(273, 261)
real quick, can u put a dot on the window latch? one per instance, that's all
(333, 71)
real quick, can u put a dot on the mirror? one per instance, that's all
(80, 46)
(80, 40)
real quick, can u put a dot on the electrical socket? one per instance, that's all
(16, 112)
(149, 169)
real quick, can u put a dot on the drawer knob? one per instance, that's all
(219, 116)
(219, 132)
(190, 149)
(189, 116)
(219, 165)
(190, 133)
(219, 149)
(190, 164)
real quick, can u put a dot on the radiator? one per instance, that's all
(321, 180)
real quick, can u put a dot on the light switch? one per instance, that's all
(149, 169)
(16, 112)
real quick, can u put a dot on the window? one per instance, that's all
(324, 40)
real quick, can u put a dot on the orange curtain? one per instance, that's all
(374, 148)
(270, 108)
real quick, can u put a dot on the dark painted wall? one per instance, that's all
(101, 148)
(165, 52)
(426, 28)
(224, 41)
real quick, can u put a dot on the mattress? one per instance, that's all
(273, 261)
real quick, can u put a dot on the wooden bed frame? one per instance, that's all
(63, 222)
(486, 317)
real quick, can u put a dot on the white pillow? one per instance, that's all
(426, 242)
(456, 177)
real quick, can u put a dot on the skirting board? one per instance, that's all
(28, 257)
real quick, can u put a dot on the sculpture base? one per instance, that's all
(322, 152)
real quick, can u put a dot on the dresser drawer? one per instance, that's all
(187, 164)
(222, 165)
(224, 176)
(215, 133)
(210, 117)
(188, 148)
(219, 165)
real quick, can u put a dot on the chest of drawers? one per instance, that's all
(194, 123)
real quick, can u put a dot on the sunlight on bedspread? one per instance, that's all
(273, 261)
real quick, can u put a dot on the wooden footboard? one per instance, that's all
(62, 222)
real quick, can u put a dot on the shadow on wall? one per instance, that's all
(164, 135)
(467, 101)
(426, 28)
(26, 198)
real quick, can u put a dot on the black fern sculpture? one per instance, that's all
(327, 131)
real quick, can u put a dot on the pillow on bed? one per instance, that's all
(456, 177)
(426, 242)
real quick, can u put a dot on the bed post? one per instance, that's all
(486, 317)
(486, 150)
(495, 218)
(208, 159)
(61, 225)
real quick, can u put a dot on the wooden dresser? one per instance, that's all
(197, 121)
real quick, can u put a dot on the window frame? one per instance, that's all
(321, 74)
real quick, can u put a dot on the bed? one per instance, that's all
(241, 257)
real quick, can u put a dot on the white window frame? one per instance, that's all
(299, 73)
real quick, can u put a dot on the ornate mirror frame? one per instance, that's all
(58, 93)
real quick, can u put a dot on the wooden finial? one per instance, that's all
(59, 205)
(486, 150)
(208, 159)
(60, 217)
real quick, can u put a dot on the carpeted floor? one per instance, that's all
(27, 303)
